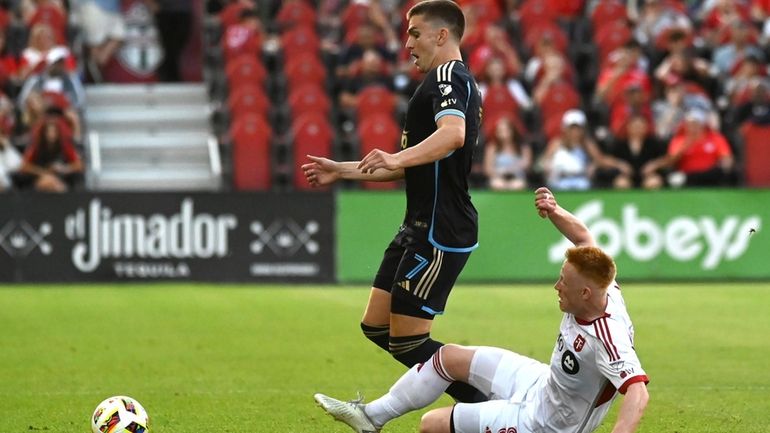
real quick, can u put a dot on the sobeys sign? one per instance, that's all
(682, 234)
(704, 238)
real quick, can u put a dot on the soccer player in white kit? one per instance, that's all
(593, 360)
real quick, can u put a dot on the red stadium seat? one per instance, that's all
(379, 131)
(374, 100)
(541, 30)
(313, 135)
(239, 40)
(251, 136)
(607, 12)
(305, 68)
(309, 98)
(756, 154)
(534, 12)
(497, 100)
(299, 40)
(559, 98)
(611, 37)
(354, 15)
(248, 100)
(244, 71)
(296, 13)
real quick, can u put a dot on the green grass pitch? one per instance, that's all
(207, 358)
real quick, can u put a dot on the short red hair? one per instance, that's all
(592, 263)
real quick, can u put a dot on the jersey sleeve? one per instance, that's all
(616, 357)
(448, 90)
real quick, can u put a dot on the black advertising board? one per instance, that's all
(247, 237)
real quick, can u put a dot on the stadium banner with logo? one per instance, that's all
(661, 235)
(167, 236)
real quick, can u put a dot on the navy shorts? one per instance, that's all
(418, 275)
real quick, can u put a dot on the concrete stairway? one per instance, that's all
(150, 137)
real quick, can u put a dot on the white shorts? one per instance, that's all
(100, 25)
(505, 377)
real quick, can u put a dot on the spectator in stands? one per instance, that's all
(104, 28)
(554, 71)
(506, 158)
(56, 78)
(757, 108)
(740, 47)
(10, 162)
(496, 77)
(626, 66)
(634, 153)
(51, 163)
(570, 160)
(231, 13)
(494, 44)
(669, 111)
(657, 20)
(687, 67)
(7, 116)
(9, 67)
(744, 73)
(634, 102)
(173, 18)
(544, 50)
(698, 155)
(49, 12)
(41, 42)
(371, 70)
(720, 17)
(366, 38)
(244, 37)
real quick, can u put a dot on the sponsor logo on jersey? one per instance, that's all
(404, 135)
(560, 343)
(569, 363)
(404, 285)
(445, 89)
(447, 102)
(502, 430)
(579, 343)
(626, 372)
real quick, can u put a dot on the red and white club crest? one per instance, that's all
(579, 343)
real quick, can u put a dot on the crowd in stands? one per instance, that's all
(577, 94)
(47, 49)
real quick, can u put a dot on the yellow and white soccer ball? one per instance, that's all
(120, 414)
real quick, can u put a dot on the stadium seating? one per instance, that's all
(379, 131)
(251, 146)
(312, 135)
(756, 154)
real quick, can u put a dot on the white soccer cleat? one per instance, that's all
(350, 412)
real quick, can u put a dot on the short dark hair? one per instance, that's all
(446, 11)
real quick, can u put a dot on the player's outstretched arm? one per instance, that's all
(632, 408)
(449, 136)
(324, 171)
(569, 225)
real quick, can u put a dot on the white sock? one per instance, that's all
(420, 386)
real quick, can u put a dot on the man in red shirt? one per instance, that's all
(698, 155)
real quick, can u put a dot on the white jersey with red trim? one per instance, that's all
(591, 362)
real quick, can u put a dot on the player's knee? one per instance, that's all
(456, 360)
(377, 334)
(436, 421)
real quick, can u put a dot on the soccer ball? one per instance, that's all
(120, 414)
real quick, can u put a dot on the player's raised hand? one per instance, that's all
(545, 202)
(321, 171)
(378, 159)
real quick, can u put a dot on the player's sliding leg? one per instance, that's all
(420, 386)
(376, 321)
(410, 344)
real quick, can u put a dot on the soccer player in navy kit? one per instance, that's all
(440, 228)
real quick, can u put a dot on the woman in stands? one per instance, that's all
(506, 158)
(51, 162)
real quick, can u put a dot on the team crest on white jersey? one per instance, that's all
(579, 342)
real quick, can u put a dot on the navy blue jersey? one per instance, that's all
(437, 192)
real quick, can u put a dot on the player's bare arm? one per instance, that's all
(449, 136)
(632, 408)
(569, 225)
(323, 171)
